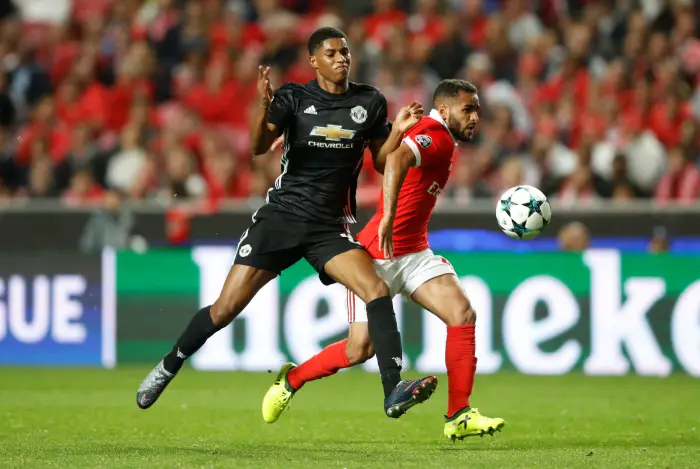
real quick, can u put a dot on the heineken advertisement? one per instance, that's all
(602, 312)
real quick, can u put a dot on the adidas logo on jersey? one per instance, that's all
(310, 110)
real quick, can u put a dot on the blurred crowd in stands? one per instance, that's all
(585, 99)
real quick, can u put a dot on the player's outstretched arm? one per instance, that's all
(407, 117)
(262, 132)
(381, 148)
(397, 164)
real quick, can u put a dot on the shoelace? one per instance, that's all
(155, 379)
(160, 378)
(283, 399)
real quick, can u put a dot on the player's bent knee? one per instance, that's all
(225, 309)
(241, 285)
(229, 305)
(381, 289)
(377, 289)
(462, 316)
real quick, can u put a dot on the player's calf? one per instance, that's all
(356, 349)
(359, 347)
(359, 355)
(445, 297)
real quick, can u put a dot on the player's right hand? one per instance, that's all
(265, 90)
(408, 116)
(386, 238)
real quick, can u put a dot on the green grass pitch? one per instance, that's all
(88, 418)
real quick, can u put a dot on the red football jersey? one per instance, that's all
(433, 145)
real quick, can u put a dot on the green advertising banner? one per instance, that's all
(602, 312)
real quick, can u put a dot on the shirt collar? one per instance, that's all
(435, 114)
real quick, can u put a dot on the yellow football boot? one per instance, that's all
(278, 396)
(471, 423)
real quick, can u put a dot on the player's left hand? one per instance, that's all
(408, 116)
(386, 240)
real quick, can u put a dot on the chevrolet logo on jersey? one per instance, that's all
(335, 134)
(332, 132)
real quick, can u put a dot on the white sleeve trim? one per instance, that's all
(412, 145)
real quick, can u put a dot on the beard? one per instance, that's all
(457, 132)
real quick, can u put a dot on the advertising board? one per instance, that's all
(57, 309)
(601, 312)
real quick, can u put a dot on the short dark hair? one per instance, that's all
(321, 34)
(451, 88)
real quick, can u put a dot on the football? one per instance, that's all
(523, 212)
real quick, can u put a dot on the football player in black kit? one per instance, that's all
(326, 124)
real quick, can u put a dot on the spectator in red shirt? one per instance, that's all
(379, 24)
(667, 118)
(213, 98)
(681, 183)
(83, 190)
(133, 82)
(425, 24)
(44, 126)
(225, 179)
(475, 22)
(69, 108)
(233, 33)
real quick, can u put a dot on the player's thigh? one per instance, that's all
(268, 247)
(355, 270)
(338, 258)
(433, 284)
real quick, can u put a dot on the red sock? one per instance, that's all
(460, 360)
(327, 362)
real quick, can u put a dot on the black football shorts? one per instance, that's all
(276, 241)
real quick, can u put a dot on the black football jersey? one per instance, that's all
(325, 136)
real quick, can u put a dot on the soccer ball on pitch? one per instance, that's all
(523, 212)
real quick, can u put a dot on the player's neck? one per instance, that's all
(332, 87)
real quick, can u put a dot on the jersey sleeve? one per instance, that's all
(281, 108)
(424, 144)
(381, 128)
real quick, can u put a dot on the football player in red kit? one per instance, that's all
(397, 238)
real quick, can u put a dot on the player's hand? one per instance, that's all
(277, 143)
(265, 90)
(386, 240)
(408, 116)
